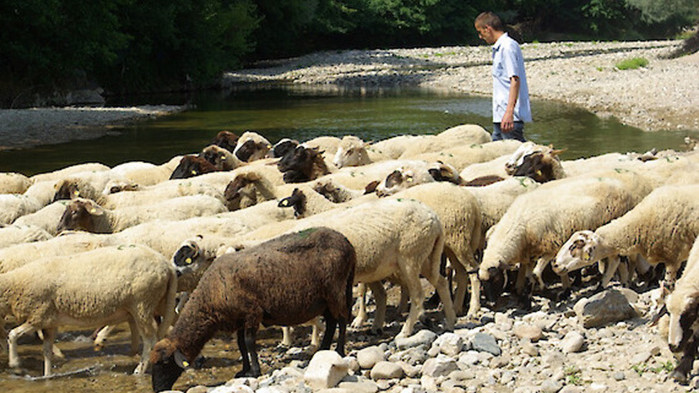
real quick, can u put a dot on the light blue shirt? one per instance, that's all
(508, 62)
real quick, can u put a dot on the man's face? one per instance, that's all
(486, 33)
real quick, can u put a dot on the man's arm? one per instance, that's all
(507, 124)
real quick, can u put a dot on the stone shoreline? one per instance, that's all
(661, 96)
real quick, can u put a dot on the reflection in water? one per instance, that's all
(304, 113)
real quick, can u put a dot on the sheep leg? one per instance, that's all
(403, 304)
(242, 347)
(461, 277)
(148, 330)
(250, 336)
(47, 347)
(315, 333)
(330, 325)
(684, 367)
(416, 297)
(624, 274)
(521, 279)
(610, 269)
(12, 337)
(475, 302)
(379, 293)
(440, 284)
(286, 336)
(538, 271)
(361, 312)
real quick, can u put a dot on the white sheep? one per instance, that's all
(16, 234)
(538, 223)
(13, 183)
(416, 173)
(69, 171)
(87, 215)
(104, 286)
(145, 173)
(464, 155)
(46, 218)
(496, 198)
(661, 228)
(681, 304)
(466, 134)
(392, 237)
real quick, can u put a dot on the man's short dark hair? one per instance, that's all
(490, 19)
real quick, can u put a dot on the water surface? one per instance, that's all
(304, 113)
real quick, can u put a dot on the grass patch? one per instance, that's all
(573, 375)
(632, 64)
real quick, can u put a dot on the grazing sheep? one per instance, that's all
(13, 183)
(285, 281)
(84, 214)
(661, 228)
(392, 237)
(251, 146)
(538, 223)
(683, 306)
(104, 286)
(191, 166)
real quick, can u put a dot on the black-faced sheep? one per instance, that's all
(302, 164)
(225, 139)
(191, 166)
(285, 281)
(251, 146)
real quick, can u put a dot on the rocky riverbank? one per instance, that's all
(660, 96)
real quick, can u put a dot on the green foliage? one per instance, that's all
(573, 375)
(632, 64)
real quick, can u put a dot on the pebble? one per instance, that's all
(485, 343)
(423, 337)
(386, 370)
(369, 356)
(572, 342)
(530, 332)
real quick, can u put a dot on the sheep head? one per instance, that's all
(297, 200)
(226, 140)
(582, 249)
(282, 147)
(298, 165)
(445, 172)
(250, 150)
(240, 193)
(191, 166)
(114, 186)
(80, 214)
(683, 332)
(67, 189)
(168, 364)
(398, 180)
(351, 152)
(221, 158)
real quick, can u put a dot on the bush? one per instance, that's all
(632, 64)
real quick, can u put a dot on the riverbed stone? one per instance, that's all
(369, 356)
(528, 331)
(605, 307)
(450, 344)
(386, 370)
(572, 342)
(325, 370)
(439, 366)
(365, 386)
(483, 342)
(423, 337)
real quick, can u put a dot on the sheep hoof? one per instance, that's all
(564, 295)
(247, 374)
(680, 377)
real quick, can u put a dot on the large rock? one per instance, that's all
(439, 366)
(450, 344)
(386, 370)
(369, 356)
(605, 307)
(423, 337)
(325, 370)
(483, 342)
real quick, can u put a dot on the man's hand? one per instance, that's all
(507, 124)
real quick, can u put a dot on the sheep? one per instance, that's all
(661, 228)
(84, 214)
(496, 198)
(465, 134)
(145, 173)
(251, 146)
(337, 193)
(13, 183)
(538, 223)
(352, 151)
(191, 166)
(461, 156)
(392, 237)
(225, 139)
(282, 147)
(683, 306)
(414, 174)
(285, 281)
(45, 219)
(302, 164)
(20, 233)
(221, 158)
(68, 171)
(250, 188)
(104, 286)
(71, 188)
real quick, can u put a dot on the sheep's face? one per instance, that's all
(300, 159)
(218, 157)
(396, 181)
(114, 186)
(329, 191)
(80, 215)
(66, 189)
(190, 166)
(281, 148)
(353, 155)
(579, 251)
(187, 255)
(168, 364)
(240, 193)
(297, 200)
(226, 140)
(683, 312)
(517, 157)
(249, 150)
(445, 172)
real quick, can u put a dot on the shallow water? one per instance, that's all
(304, 113)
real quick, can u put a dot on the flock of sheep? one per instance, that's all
(245, 233)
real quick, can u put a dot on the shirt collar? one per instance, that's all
(498, 43)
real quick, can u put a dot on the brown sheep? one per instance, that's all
(285, 281)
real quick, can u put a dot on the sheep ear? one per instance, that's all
(180, 360)
(654, 321)
(284, 202)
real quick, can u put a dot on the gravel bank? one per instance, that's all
(21, 128)
(661, 96)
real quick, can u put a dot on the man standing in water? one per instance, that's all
(510, 91)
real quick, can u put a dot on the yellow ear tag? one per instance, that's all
(409, 179)
(223, 157)
(76, 192)
(194, 172)
(185, 363)
(188, 260)
(586, 256)
(538, 173)
(93, 210)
